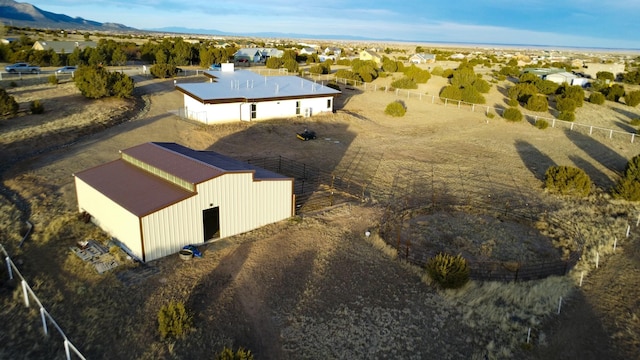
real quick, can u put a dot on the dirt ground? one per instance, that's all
(314, 287)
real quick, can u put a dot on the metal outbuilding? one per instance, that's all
(158, 197)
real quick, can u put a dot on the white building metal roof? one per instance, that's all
(247, 86)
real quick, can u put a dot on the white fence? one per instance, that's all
(46, 318)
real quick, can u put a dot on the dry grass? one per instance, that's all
(315, 286)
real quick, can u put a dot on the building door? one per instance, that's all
(211, 223)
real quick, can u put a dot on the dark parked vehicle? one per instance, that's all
(306, 135)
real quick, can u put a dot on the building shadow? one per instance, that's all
(598, 151)
(597, 177)
(533, 159)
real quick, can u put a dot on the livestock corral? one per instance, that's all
(343, 278)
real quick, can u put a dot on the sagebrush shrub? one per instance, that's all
(632, 98)
(567, 180)
(174, 320)
(395, 109)
(240, 354)
(567, 116)
(628, 187)
(541, 124)
(36, 107)
(634, 122)
(537, 103)
(8, 104)
(404, 83)
(596, 98)
(450, 272)
(491, 115)
(53, 80)
(512, 114)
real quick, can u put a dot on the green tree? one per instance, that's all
(8, 105)
(119, 57)
(628, 187)
(451, 92)
(404, 83)
(95, 82)
(565, 104)
(605, 75)
(567, 180)
(291, 65)
(632, 98)
(537, 103)
(522, 92)
(273, 63)
(596, 98)
(573, 92)
(547, 87)
(395, 109)
(512, 114)
(614, 92)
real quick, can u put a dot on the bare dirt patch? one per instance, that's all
(315, 287)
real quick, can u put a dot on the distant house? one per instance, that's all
(256, 55)
(330, 50)
(63, 47)
(457, 56)
(307, 51)
(369, 55)
(233, 95)
(247, 54)
(422, 58)
(158, 197)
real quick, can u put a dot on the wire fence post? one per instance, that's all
(10, 271)
(44, 321)
(25, 293)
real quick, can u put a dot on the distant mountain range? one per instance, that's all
(182, 30)
(26, 15)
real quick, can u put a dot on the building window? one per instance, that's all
(253, 110)
(329, 104)
(297, 107)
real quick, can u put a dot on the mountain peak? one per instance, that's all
(24, 14)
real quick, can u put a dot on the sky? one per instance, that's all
(571, 23)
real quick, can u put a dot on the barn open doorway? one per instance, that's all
(211, 223)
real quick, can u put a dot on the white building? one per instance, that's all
(233, 95)
(158, 197)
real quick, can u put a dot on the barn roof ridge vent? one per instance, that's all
(158, 144)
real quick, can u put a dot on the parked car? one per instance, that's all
(22, 68)
(67, 70)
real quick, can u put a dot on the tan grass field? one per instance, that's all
(314, 287)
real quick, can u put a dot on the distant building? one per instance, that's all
(422, 58)
(234, 95)
(256, 55)
(63, 47)
(307, 51)
(370, 55)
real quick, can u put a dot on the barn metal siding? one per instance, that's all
(111, 217)
(244, 205)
